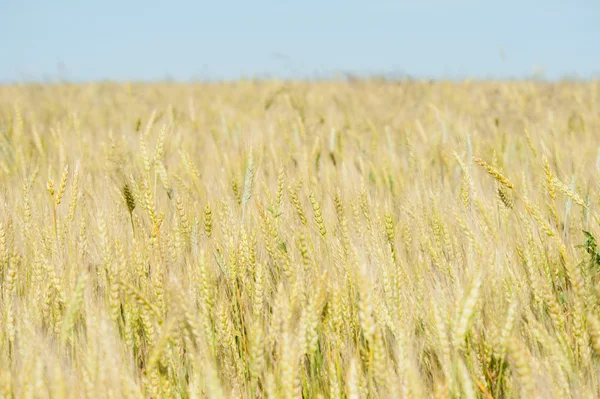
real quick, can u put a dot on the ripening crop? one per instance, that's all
(270, 239)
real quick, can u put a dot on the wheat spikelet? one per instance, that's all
(74, 194)
(505, 199)
(248, 180)
(208, 223)
(568, 192)
(63, 185)
(466, 189)
(494, 173)
(160, 144)
(318, 214)
(129, 198)
(296, 202)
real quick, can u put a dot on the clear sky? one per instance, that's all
(184, 40)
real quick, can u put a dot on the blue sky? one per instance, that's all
(184, 40)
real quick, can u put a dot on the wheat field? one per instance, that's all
(271, 239)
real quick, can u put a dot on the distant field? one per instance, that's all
(293, 239)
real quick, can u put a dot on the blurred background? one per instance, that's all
(224, 40)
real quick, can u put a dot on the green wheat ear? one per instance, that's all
(130, 201)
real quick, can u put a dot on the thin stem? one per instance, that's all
(132, 225)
